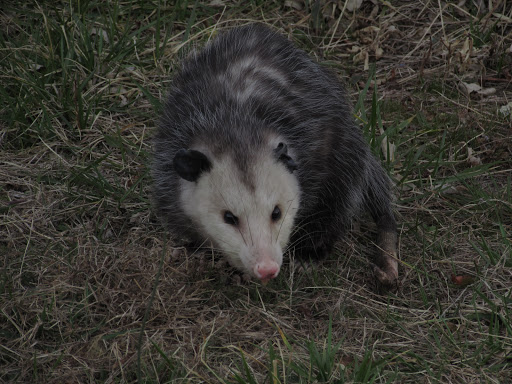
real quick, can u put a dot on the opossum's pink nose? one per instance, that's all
(266, 270)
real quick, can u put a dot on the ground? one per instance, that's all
(93, 290)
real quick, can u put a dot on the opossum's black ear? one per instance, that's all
(189, 164)
(281, 152)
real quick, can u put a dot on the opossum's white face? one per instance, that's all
(248, 216)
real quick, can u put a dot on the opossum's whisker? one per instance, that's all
(227, 206)
(200, 246)
(304, 228)
(242, 235)
(307, 236)
(284, 217)
(222, 250)
(184, 230)
(247, 217)
(220, 193)
(302, 241)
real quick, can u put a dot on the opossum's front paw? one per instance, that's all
(241, 278)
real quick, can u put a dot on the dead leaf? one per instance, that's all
(346, 360)
(470, 88)
(452, 326)
(466, 49)
(35, 67)
(378, 52)
(472, 159)
(352, 5)
(506, 110)
(293, 4)
(100, 31)
(448, 189)
(360, 57)
(487, 91)
(462, 280)
(388, 149)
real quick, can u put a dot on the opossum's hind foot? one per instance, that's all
(385, 265)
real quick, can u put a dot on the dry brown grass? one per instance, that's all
(81, 250)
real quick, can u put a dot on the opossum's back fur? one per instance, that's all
(250, 82)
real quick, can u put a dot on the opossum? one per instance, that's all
(257, 152)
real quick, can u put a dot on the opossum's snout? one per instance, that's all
(266, 270)
(261, 260)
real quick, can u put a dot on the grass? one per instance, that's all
(90, 290)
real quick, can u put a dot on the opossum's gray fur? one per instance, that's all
(221, 99)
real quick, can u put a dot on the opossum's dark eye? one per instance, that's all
(276, 213)
(230, 219)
